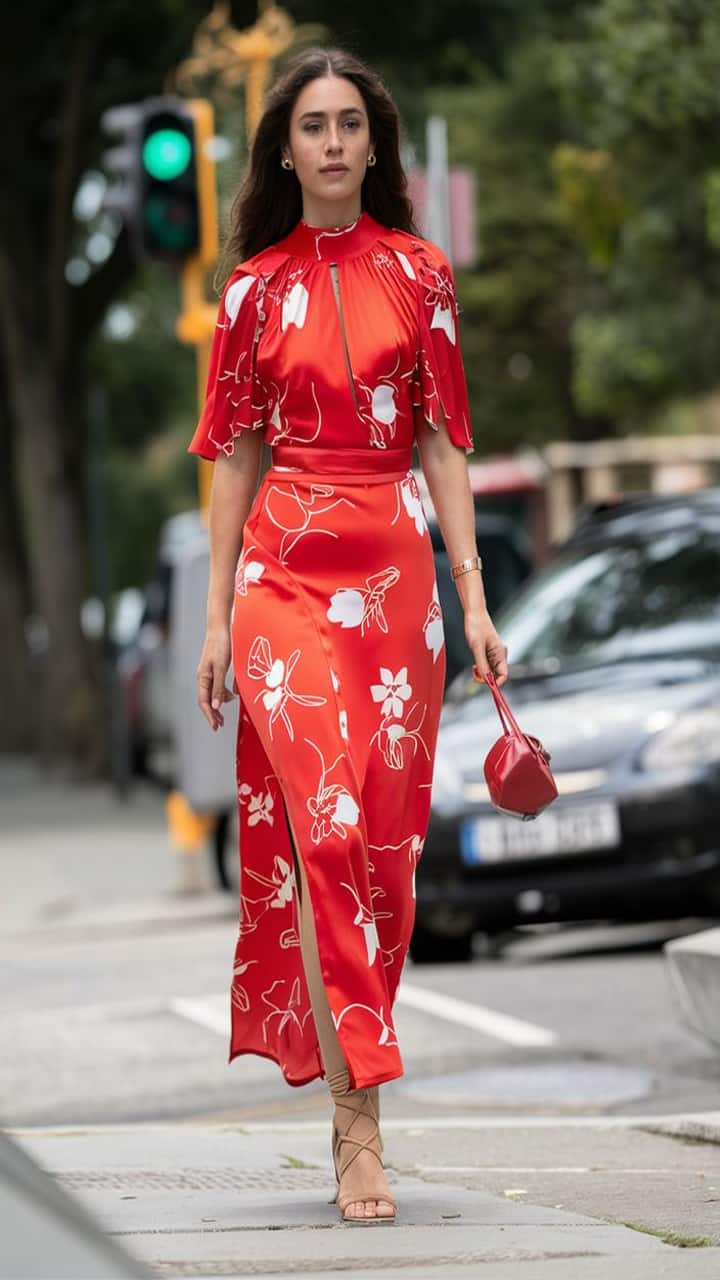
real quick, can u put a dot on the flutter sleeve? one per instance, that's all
(440, 385)
(234, 398)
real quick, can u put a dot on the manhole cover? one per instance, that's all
(194, 1179)
(565, 1085)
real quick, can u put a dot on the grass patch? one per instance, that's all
(672, 1237)
(294, 1162)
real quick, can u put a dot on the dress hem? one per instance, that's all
(362, 1083)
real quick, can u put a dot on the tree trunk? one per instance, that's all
(18, 718)
(71, 712)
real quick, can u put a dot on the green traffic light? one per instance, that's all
(166, 154)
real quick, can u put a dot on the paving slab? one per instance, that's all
(194, 1200)
(692, 1265)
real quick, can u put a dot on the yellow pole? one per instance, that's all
(196, 324)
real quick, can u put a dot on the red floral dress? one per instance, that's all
(330, 342)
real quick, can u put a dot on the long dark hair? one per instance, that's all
(268, 203)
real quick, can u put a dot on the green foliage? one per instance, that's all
(597, 156)
(589, 189)
(640, 83)
(146, 486)
(593, 129)
(519, 303)
(712, 207)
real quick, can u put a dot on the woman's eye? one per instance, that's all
(352, 124)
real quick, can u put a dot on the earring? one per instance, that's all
(286, 164)
(372, 159)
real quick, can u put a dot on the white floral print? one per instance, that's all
(248, 571)
(440, 295)
(406, 264)
(380, 410)
(235, 295)
(397, 740)
(356, 607)
(433, 625)
(282, 882)
(413, 505)
(365, 920)
(392, 692)
(332, 808)
(304, 508)
(294, 307)
(277, 692)
(259, 805)
(387, 1034)
(414, 847)
(238, 993)
(288, 1014)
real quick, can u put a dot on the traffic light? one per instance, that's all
(166, 195)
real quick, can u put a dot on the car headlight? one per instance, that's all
(694, 738)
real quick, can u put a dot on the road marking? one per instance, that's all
(535, 1168)
(500, 1025)
(213, 1013)
(413, 1125)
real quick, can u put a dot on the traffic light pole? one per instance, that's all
(188, 830)
(197, 319)
(195, 327)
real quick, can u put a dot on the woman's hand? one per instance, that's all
(213, 668)
(487, 649)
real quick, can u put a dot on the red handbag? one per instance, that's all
(517, 770)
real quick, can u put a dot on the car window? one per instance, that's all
(620, 600)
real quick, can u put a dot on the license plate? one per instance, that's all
(572, 829)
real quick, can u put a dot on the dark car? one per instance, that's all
(614, 655)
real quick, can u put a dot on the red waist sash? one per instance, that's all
(343, 466)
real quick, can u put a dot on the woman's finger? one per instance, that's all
(490, 655)
(205, 684)
(497, 655)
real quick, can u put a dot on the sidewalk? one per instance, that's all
(82, 862)
(537, 1198)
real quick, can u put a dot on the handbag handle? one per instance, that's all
(507, 719)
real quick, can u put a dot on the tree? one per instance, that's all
(640, 81)
(82, 65)
(49, 322)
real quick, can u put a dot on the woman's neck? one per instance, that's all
(321, 213)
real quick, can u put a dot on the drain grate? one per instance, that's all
(194, 1179)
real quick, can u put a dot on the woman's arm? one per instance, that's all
(233, 488)
(445, 469)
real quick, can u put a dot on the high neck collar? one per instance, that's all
(332, 244)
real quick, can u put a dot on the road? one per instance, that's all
(537, 1075)
(114, 994)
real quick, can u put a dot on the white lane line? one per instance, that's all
(500, 1025)
(413, 1126)
(213, 1013)
(208, 1012)
(538, 1168)
(510, 1168)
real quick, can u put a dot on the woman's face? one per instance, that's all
(329, 140)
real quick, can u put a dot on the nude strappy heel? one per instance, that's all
(359, 1103)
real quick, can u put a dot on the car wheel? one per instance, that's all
(225, 852)
(430, 947)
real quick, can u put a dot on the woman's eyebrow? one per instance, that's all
(346, 111)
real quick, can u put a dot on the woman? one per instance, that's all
(337, 342)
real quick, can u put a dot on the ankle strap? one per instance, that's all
(339, 1082)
